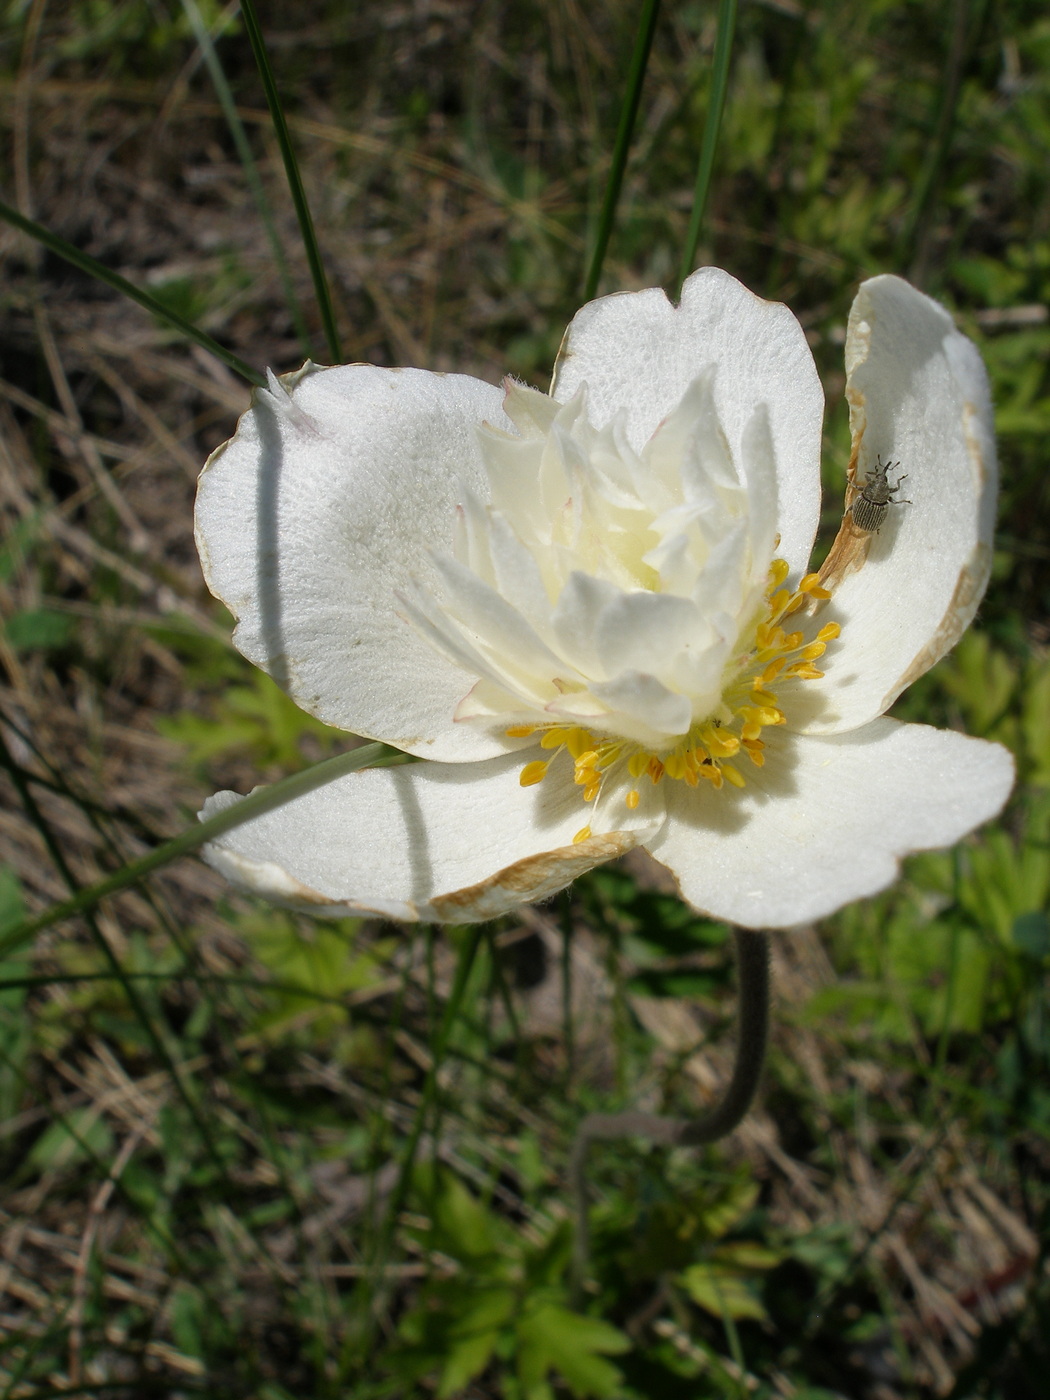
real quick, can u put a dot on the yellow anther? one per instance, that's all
(590, 793)
(554, 738)
(637, 764)
(581, 835)
(578, 742)
(829, 632)
(810, 584)
(772, 671)
(778, 572)
(589, 759)
(520, 731)
(750, 732)
(814, 650)
(674, 764)
(764, 697)
(656, 769)
(733, 775)
(633, 798)
(805, 671)
(779, 602)
(533, 772)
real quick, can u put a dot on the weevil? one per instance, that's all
(876, 496)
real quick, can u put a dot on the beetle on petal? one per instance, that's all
(591, 612)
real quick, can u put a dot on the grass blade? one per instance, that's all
(712, 127)
(86, 263)
(251, 170)
(628, 114)
(295, 183)
(262, 800)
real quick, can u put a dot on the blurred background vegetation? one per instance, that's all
(205, 1104)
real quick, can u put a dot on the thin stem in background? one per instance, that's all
(752, 960)
(251, 170)
(628, 114)
(138, 1006)
(256, 804)
(372, 1290)
(712, 127)
(86, 263)
(913, 244)
(295, 183)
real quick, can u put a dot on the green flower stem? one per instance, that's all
(712, 127)
(295, 183)
(628, 114)
(752, 958)
(101, 273)
(262, 800)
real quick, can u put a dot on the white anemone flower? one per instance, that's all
(590, 611)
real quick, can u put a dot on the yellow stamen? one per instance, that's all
(582, 835)
(746, 708)
(533, 772)
(764, 697)
(811, 585)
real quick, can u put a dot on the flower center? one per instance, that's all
(749, 704)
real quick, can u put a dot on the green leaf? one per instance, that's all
(721, 1292)
(38, 629)
(71, 1140)
(468, 1358)
(554, 1338)
(1031, 933)
(12, 906)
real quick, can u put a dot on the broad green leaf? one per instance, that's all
(71, 1140)
(721, 1292)
(553, 1338)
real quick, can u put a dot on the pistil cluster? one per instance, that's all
(748, 706)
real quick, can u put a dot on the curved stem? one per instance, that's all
(752, 959)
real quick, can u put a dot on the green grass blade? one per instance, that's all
(261, 801)
(295, 183)
(913, 243)
(86, 263)
(251, 170)
(628, 114)
(712, 127)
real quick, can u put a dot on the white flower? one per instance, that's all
(590, 611)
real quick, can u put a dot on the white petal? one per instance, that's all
(322, 506)
(827, 820)
(918, 395)
(634, 350)
(456, 843)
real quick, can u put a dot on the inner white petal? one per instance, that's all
(601, 586)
